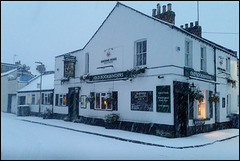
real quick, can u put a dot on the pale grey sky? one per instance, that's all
(40, 30)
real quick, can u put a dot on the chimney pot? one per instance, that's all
(191, 24)
(186, 25)
(169, 7)
(196, 23)
(181, 26)
(158, 9)
(164, 8)
(153, 12)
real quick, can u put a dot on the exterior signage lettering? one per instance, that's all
(109, 76)
(163, 99)
(190, 72)
(105, 61)
(69, 58)
(142, 101)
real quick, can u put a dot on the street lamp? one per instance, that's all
(41, 69)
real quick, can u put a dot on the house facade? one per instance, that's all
(161, 79)
(12, 79)
(30, 94)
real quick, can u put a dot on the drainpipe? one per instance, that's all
(215, 85)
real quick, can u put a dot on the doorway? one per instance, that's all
(181, 91)
(73, 102)
(11, 102)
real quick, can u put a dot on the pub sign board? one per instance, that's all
(163, 99)
(69, 65)
(142, 100)
(69, 69)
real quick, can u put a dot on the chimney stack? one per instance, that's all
(168, 16)
(196, 30)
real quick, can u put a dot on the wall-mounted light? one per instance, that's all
(192, 87)
(160, 77)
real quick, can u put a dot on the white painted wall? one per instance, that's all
(119, 32)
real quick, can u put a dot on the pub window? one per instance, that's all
(60, 100)
(188, 53)
(105, 101)
(33, 99)
(203, 60)
(202, 107)
(141, 52)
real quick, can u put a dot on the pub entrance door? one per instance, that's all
(73, 102)
(181, 92)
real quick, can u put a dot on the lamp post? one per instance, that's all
(41, 69)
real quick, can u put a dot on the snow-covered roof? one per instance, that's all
(47, 83)
(8, 72)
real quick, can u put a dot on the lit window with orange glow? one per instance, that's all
(64, 100)
(202, 107)
(28, 100)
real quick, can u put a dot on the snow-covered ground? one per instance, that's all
(27, 140)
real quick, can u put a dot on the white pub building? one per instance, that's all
(159, 78)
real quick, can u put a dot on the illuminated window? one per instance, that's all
(202, 107)
(28, 99)
(103, 101)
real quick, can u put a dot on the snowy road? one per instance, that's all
(25, 140)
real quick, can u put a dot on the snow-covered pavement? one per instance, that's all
(37, 138)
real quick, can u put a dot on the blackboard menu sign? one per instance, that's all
(163, 99)
(142, 100)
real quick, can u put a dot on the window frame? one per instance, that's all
(140, 52)
(203, 59)
(59, 100)
(228, 65)
(188, 53)
(206, 107)
(99, 102)
(33, 99)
